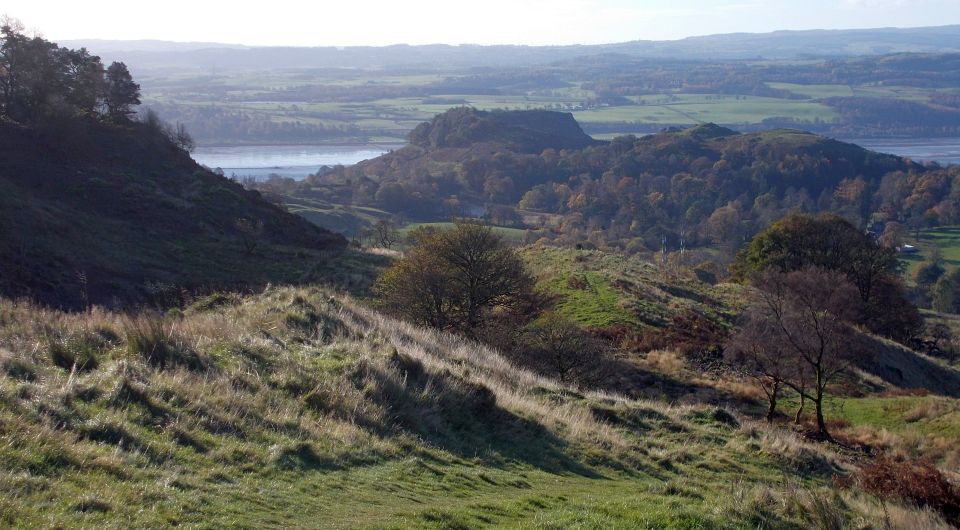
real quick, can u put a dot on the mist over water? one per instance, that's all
(294, 161)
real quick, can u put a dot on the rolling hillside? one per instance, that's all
(296, 407)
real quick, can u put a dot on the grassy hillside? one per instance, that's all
(94, 213)
(650, 307)
(297, 408)
(602, 289)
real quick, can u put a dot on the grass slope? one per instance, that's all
(602, 289)
(295, 408)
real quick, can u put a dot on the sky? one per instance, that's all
(383, 22)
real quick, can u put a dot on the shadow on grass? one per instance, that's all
(464, 418)
(907, 369)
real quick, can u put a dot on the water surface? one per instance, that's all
(295, 161)
(942, 150)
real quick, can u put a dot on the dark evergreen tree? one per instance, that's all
(122, 93)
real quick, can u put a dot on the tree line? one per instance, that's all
(708, 186)
(41, 80)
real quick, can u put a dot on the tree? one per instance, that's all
(893, 234)
(86, 80)
(945, 292)
(32, 76)
(560, 347)
(752, 351)
(122, 93)
(420, 288)
(462, 272)
(831, 243)
(385, 233)
(805, 317)
(183, 139)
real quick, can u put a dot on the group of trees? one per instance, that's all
(40, 80)
(816, 282)
(815, 279)
(797, 334)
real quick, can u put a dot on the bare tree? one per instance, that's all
(385, 233)
(183, 139)
(751, 351)
(560, 347)
(805, 316)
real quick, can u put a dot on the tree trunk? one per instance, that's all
(821, 423)
(799, 416)
(772, 399)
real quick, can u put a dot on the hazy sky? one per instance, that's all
(379, 22)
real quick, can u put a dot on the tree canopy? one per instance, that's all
(451, 278)
(831, 243)
(41, 80)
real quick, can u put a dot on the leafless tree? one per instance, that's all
(798, 333)
(561, 348)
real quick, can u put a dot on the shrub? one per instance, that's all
(298, 455)
(213, 301)
(916, 482)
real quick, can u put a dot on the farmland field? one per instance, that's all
(944, 238)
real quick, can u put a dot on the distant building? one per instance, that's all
(908, 249)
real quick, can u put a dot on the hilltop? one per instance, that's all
(529, 131)
(106, 214)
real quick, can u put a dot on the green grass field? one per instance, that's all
(300, 408)
(599, 290)
(945, 238)
(923, 415)
(698, 108)
(511, 235)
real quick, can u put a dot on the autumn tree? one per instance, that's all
(799, 333)
(831, 243)
(451, 278)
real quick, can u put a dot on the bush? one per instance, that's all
(919, 483)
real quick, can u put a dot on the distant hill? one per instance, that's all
(465, 161)
(113, 214)
(521, 131)
(776, 45)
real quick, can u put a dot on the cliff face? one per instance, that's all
(529, 131)
(105, 214)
